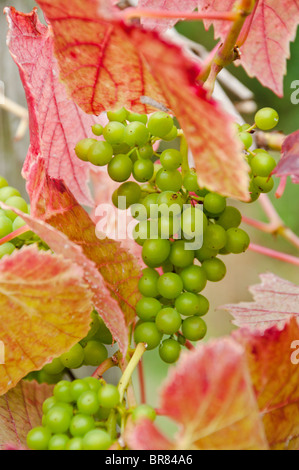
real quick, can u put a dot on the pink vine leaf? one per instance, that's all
(289, 163)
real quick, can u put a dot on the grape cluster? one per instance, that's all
(82, 415)
(171, 308)
(9, 221)
(90, 351)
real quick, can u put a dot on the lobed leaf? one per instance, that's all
(289, 163)
(276, 301)
(45, 309)
(20, 411)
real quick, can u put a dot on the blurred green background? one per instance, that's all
(243, 270)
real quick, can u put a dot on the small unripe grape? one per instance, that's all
(97, 129)
(100, 153)
(171, 159)
(120, 168)
(171, 135)
(231, 217)
(170, 285)
(38, 438)
(169, 351)
(148, 283)
(143, 412)
(205, 253)
(137, 117)
(148, 333)
(169, 180)
(58, 419)
(97, 439)
(73, 359)
(155, 252)
(81, 424)
(131, 191)
(262, 164)
(266, 119)
(5, 226)
(194, 328)
(214, 203)
(82, 148)
(143, 170)
(215, 237)
(94, 353)
(3, 182)
(108, 396)
(58, 442)
(171, 200)
(62, 392)
(194, 222)
(146, 151)
(160, 124)
(246, 139)
(190, 182)
(189, 304)
(6, 249)
(18, 203)
(120, 115)
(77, 387)
(136, 133)
(88, 402)
(237, 240)
(168, 321)
(180, 256)
(74, 444)
(215, 269)
(264, 185)
(147, 308)
(55, 367)
(194, 279)
(114, 133)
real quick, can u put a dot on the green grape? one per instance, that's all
(58, 419)
(120, 168)
(77, 387)
(155, 252)
(224, 251)
(120, 115)
(88, 402)
(81, 424)
(121, 149)
(97, 129)
(137, 117)
(237, 240)
(82, 148)
(18, 223)
(171, 135)
(143, 170)
(18, 203)
(136, 133)
(230, 218)
(189, 304)
(73, 359)
(74, 444)
(170, 351)
(138, 211)
(103, 334)
(93, 383)
(48, 404)
(202, 192)
(148, 283)
(266, 119)
(214, 203)
(55, 367)
(102, 414)
(94, 353)
(194, 328)
(262, 164)
(150, 202)
(215, 237)
(205, 253)
(38, 438)
(108, 396)
(146, 151)
(93, 328)
(215, 269)
(168, 321)
(168, 226)
(190, 182)
(3, 182)
(148, 333)
(180, 256)
(100, 153)
(58, 442)
(6, 249)
(97, 439)
(246, 139)
(172, 200)
(130, 191)
(160, 124)
(147, 308)
(62, 392)
(114, 133)
(169, 180)
(194, 279)
(171, 159)
(142, 232)
(143, 412)
(5, 226)
(51, 379)
(254, 191)
(194, 222)
(263, 185)
(170, 285)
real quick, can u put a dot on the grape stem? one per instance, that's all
(127, 374)
(142, 386)
(107, 364)
(15, 234)
(19, 111)
(274, 254)
(131, 13)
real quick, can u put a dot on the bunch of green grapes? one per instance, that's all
(83, 415)
(90, 351)
(10, 222)
(172, 305)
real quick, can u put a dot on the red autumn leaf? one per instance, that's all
(162, 25)
(210, 395)
(272, 27)
(276, 300)
(56, 122)
(106, 64)
(146, 437)
(20, 411)
(289, 163)
(272, 357)
(45, 310)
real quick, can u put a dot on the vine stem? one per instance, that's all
(141, 382)
(127, 374)
(15, 234)
(274, 254)
(131, 13)
(107, 364)
(17, 110)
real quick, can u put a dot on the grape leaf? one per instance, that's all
(45, 310)
(106, 64)
(146, 437)
(20, 411)
(272, 27)
(161, 25)
(289, 163)
(275, 377)
(210, 395)
(276, 300)
(56, 122)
